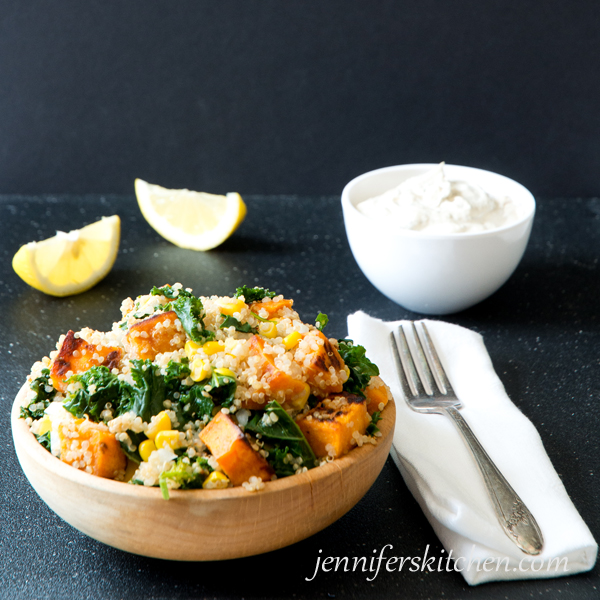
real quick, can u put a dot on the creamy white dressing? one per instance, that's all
(432, 203)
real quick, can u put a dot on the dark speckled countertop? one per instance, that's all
(542, 331)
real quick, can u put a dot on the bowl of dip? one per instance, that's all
(437, 239)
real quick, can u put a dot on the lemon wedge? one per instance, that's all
(70, 263)
(188, 219)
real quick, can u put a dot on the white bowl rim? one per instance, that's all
(65, 471)
(527, 216)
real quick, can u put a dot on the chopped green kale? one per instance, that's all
(44, 440)
(321, 321)
(183, 473)
(372, 428)
(190, 312)
(146, 397)
(136, 440)
(281, 432)
(98, 387)
(253, 294)
(278, 458)
(42, 398)
(176, 371)
(171, 293)
(361, 368)
(222, 388)
(230, 321)
(195, 404)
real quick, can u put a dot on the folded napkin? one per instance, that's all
(442, 474)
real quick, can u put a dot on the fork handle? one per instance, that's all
(514, 517)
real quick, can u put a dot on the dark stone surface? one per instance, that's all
(264, 96)
(542, 331)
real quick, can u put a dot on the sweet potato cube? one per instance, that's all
(332, 426)
(289, 391)
(273, 307)
(91, 447)
(324, 367)
(155, 335)
(77, 356)
(378, 395)
(233, 452)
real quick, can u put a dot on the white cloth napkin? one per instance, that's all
(442, 475)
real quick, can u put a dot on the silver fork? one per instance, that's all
(514, 517)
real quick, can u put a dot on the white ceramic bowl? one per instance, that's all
(435, 273)
(200, 525)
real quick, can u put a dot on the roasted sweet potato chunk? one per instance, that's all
(378, 395)
(233, 452)
(324, 367)
(76, 356)
(290, 392)
(331, 428)
(91, 447)
(273, 307)
(155, 335)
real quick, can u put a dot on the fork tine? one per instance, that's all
(411, 382)
(435, 363)
(426, 374)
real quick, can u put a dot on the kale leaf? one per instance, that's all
(149, 391)
(42, 396)
(98, 387)
(195, 403)
(171, 293)
(321, 321)
(361, 368)
(233, 322)
(253, 294)
(176, 371)
(44, 440)
(183, 473)
(223, 388)
(190, 312)
(136, 440)
(278, 459)
(283, 433)
(372, 428)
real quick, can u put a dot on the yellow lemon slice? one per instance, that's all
(194, 220)
(70, 263)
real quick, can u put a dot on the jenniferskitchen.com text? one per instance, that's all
(384, 561)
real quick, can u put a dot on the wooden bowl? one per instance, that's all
(201, 524)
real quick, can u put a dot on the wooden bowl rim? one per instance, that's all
(23, 437)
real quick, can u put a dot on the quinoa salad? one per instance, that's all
(211, 392)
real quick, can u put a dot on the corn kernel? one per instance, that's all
(160, 422)
(300, 399)
(213, 347)
(229, 308)
(191, 348)
(146, 448)
(268, 329)
(347, 371)
(216, 481)
(167, 439)
(303, 397)
(200, 370)
(289, 341)
(225, 372)
(45, 425)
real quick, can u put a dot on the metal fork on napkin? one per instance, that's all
(421, 370)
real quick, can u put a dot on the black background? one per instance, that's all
(272, 97)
